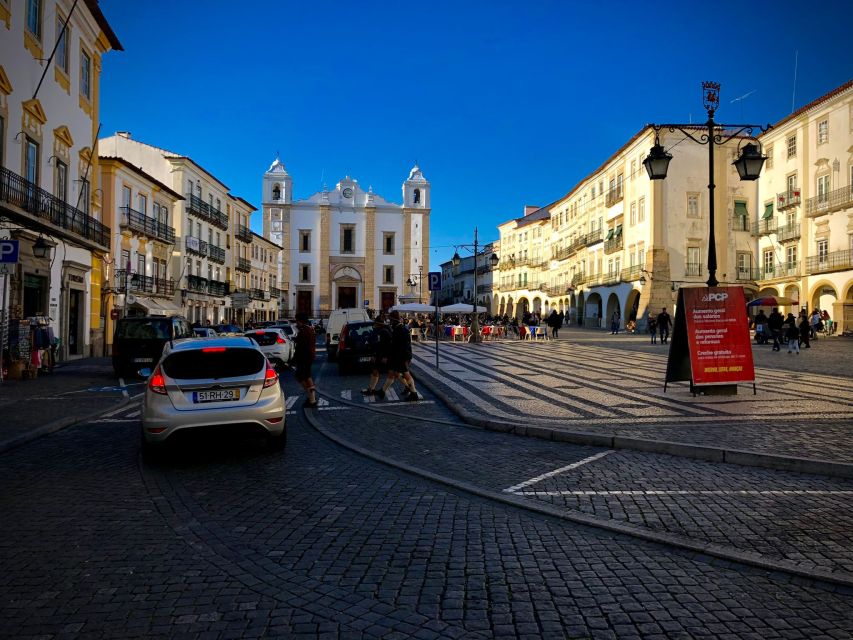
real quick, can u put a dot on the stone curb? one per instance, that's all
(56, 425)
(702, 551)
(742, 457)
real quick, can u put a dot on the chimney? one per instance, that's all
(528, 208)
(123, 134)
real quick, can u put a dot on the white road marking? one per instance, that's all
(335, 408)
(556, 472)
(113, 420)
(133, 415)
(346, 394)
(391, 395)
(291, 401)
(123, 387)
(687, 492)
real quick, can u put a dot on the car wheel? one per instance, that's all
(277, 443)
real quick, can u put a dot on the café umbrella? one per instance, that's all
(771, 301)
(461, 307)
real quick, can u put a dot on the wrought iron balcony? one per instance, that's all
(578, 279)
(748, 274)
(613, 196)
(138, 283)
(151, 227)
(693, 269)
(217, 254)
(764, 227)
(257, 294)
(740, 223)
(780, 271)
(484, 288)
(30, 201)
(613, 245)
(632, 273)
(591, 238)
(275, 293)
(828, 202)
(788, 232)
(195, 245)
(611, 277)
(197, 284)
(787, 199)
(243, 264)
(243, 233)
(199, 208)
(832, 261)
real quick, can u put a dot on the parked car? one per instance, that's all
(138, 341)
(337, 319)
(204, 332)
(356, 346)
(221, 382)
(228, 330)
(275, 345)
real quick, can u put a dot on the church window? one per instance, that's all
(304, 273)
(304, 241)
(388, 274)
(347, 238)
(388, 243)
(417, 196)
(276, 193)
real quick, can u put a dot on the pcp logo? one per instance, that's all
(715, 297)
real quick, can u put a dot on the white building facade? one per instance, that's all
(346, 247)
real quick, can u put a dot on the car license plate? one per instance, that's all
(143, 359)
(365, 359)
(216, 396)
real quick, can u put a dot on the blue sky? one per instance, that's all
(501, 103)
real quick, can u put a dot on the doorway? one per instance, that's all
(346, 297)
(75, 322)
(304, 302)
(388, 300)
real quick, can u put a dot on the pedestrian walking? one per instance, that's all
(381, 354)
(400, 357)
(793, 334)
(653, 328)
(816, 322)
(805, 329)
(774, 324)
(306, 351)
(664, 324)
(554, 322)
(614, 323)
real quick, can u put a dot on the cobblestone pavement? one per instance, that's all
(618, 390)
(229, 541)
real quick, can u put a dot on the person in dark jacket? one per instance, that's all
(381, 354)
(653, 328)
(664, 324)
(400, 356)
(774, 324)
(805, 329)
(306, 350)
(554, 321)
(793, 334)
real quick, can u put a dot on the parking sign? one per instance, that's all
(434, 279)
(9, 251)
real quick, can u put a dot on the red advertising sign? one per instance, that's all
(718, 335)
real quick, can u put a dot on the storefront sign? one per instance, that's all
(73, 277)
(715, 332)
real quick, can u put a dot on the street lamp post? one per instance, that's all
(748, 165)
(493, 260)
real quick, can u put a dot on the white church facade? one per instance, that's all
(347, 247)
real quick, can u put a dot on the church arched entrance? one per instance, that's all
(347, 288)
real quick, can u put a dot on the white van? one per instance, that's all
(337, 319)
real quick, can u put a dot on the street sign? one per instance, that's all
(434, 279)
(240, 300)
(9, 251)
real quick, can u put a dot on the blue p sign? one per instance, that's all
(434, 279)
(9, 251)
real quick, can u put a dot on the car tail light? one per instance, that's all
(343, 337)
(280, 340)
(270, 377)
(157, 383)
(213, 350)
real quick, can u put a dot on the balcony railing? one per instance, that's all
(632, 273)
(578, 279)
(483, 268)
(611, 277)
(788, 232)
(151, 227)
(257, 294)
(764, 227)
(787, 199)
(137, 283)
(693, 269)
(195, 245)
(832, 261)
(37, 202)
(613, 245)
(780, 270)
(217, 254)
(591, 238)
(613, 196)
(275, 292)
(829, 202)
(740, 223)
(243, 264)
(243, 233)
(197, 284)
(748, 274)
(484, 288)
(199, 208)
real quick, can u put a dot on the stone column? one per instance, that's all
(324, 299)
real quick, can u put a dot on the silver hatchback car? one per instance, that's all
(217, 382)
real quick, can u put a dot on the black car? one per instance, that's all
(138, 341)
(356, 346)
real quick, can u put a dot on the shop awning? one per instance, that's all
(740, 208)
(157, 307)
(768, 211)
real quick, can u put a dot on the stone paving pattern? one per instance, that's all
(230, 541)
(618, 389)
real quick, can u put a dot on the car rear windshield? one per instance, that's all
(360, 329)
(143, 329)
(211, 363)
(263, 338)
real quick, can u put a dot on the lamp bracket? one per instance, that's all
(725, 133)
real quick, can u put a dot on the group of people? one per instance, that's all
(392, 356)
(660, 323)
(797, 331)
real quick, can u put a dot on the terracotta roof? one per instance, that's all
(142, 173)
(811, 105)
